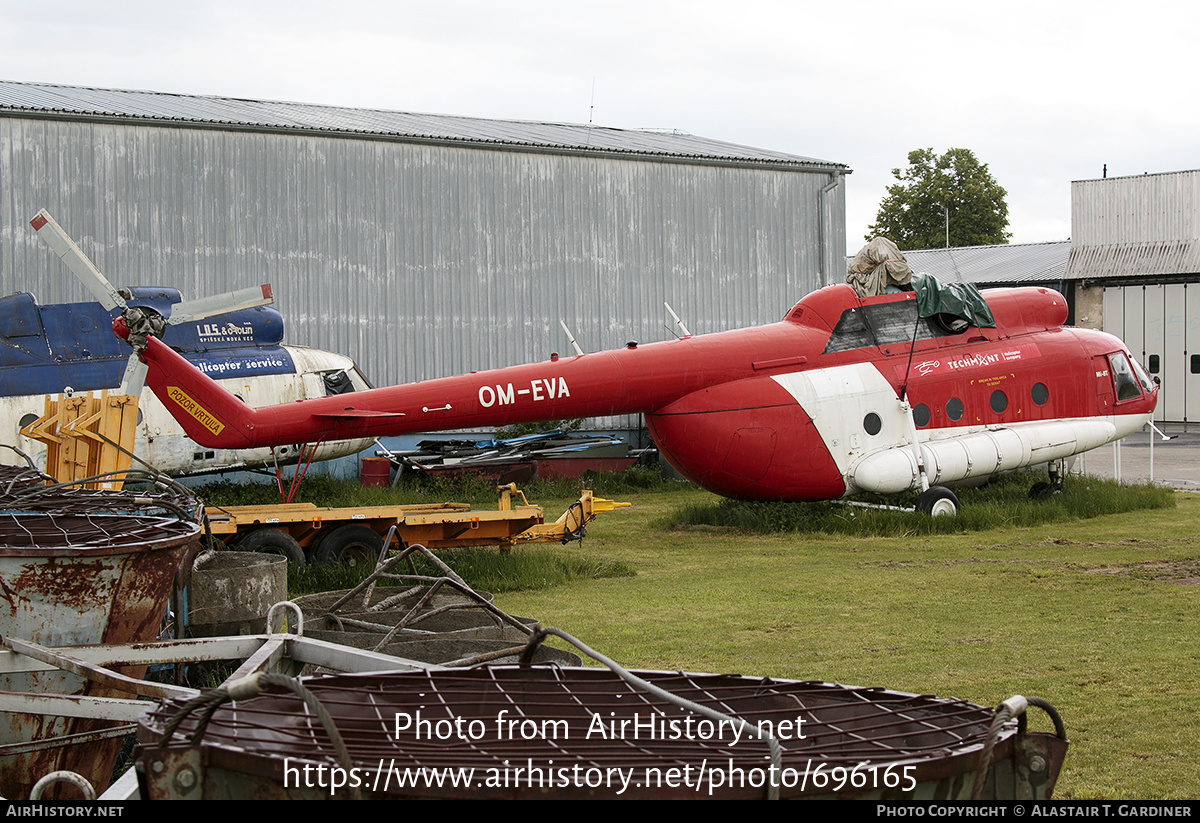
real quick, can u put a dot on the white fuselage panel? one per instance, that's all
(840, 399)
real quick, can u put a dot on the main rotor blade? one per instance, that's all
(135, 376)
(74, 258)
(219, 304)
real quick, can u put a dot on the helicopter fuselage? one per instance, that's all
(808, 408)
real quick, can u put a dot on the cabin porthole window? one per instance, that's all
(28, 419)
(872, 424)
(1039, 393)
(998, 401)
(954, 408)
(921, 415)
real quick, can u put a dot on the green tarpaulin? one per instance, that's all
(960, 300)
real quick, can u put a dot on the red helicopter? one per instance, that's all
(903, 392)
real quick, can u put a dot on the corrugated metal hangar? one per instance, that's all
(1135, 256)
(420, 245)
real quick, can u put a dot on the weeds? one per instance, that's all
(1000, 504)
(485, 569)
(323, 490)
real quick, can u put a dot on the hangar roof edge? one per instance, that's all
(162, 108)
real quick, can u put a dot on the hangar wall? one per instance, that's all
(1161, 325)
(420, 260)
(1125, 225)
(1137, 239)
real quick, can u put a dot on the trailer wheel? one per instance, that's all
(350, 546)
(272, 541)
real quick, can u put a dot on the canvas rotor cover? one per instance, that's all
(881, 265)
(877, 265)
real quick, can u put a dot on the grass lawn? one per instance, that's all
(1097, 616)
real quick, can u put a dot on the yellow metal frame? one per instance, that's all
(87, 435)
(577, 514)
(434, 525)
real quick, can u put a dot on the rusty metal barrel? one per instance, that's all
(80, 568)
(375, 471)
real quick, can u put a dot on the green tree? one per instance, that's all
(913, 214)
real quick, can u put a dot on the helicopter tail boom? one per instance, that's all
(624, 381)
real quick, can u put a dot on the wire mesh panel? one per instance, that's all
(544, 731)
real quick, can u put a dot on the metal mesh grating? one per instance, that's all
(66, 517)
(553, 710)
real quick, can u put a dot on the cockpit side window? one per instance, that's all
(337, 382)
(360, 381)
(1124, 380)
(851, 332)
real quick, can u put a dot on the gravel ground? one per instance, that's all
(1175, 462)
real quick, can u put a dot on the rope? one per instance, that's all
(1013, 707)
(208, 703)
(541, 634)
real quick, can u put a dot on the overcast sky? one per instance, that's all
(1043, 92)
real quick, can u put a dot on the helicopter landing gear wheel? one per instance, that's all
(938, 501)
(1044, 491)
(272, 541)
(350, 546)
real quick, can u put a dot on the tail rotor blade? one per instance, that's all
(135, 376)
(74, 258)
(204, 307)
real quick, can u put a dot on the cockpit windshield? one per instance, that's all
(1148, 384)
(1124, 379)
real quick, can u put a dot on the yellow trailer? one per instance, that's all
(90, 435)
(354, 535)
